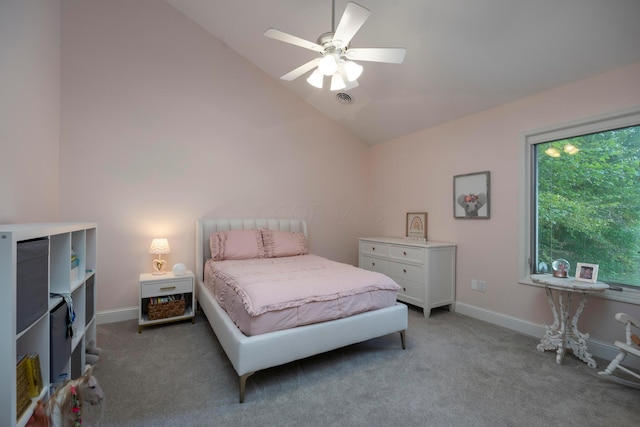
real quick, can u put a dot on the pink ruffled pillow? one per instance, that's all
(236, 244)
(284, 243)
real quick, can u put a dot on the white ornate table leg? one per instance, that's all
(551, 335)
(578, 340)
(564, 336)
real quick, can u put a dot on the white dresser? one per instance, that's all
(426, 271)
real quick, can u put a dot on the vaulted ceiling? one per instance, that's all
(463, 56)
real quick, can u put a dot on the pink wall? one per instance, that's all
(163, 124)
(160, 124)
(423, 165)
(29, 110)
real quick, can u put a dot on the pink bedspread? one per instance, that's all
(267, 294)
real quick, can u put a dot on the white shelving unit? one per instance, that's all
(63, 238)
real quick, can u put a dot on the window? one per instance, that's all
(583, 197)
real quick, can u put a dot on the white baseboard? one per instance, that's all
(119, 315)
(597, 348)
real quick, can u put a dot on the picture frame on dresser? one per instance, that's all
(416, 225)
(471, 195)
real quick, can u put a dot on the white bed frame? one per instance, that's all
(249, 354)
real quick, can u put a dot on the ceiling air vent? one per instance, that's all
(344, 98)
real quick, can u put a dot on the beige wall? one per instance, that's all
(423, 165)
(29, 109)
(163, 124)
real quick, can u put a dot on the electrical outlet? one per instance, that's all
(474, 284)
(482, 286)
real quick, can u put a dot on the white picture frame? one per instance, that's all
(587, 272)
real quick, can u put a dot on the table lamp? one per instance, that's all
(159, 247)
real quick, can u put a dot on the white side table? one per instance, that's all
(152, 286)
(563, 335)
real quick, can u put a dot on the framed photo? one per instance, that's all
(587, 272)
(417, 225)
(471, 196)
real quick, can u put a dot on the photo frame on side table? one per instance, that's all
(587, 272)
(471, 196)
(417, 225)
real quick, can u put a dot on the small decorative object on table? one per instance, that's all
(560, 268)
(179, 269)
(587, 272)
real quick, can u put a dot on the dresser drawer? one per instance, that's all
(168, 287)
(376, 264)
(406, 253)
(404, 271)
(411, 291)
(374, 248)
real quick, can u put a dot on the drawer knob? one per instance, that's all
(404, 270)
(373, 263)
(404, 253)
(404, 289)
(373, 248)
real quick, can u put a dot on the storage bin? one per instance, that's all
(60, 340)
(32, 282)
(90, 299)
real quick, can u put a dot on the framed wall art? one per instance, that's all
(587, 272)
(417, 225)
(471, 196)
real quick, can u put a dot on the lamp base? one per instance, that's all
(158, 265)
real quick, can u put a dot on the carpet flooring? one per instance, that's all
(456, 371)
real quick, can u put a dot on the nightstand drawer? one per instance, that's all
(166, 287)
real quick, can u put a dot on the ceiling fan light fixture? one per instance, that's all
(337, 82)
(352, 70)
(316, 79)
(328, 65)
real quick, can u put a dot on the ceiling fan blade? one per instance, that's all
(377, 54)
(294, 74)
(352, 19)
(288, 38)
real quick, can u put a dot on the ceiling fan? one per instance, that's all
(336, 56)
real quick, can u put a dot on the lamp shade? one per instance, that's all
(159, 246)
(352, 70)
(328, 64)
(337, 82)
(316, 78)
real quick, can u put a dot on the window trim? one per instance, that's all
(618, 119)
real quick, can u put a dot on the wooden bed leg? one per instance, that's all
(404, 340)
(243, 383)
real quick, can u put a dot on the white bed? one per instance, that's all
(249, 354)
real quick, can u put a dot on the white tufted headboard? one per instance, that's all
(206, 226)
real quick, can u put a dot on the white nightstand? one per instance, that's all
(165, 285)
